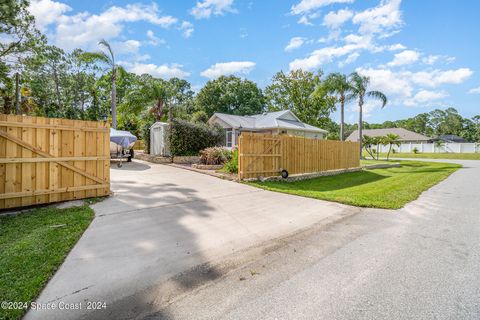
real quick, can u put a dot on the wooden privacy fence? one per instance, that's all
(46, 160)
(267, 155)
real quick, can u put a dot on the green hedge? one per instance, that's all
(187, 139)
(145, 134)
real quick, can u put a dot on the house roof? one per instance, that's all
(404, 134)
(269, 120)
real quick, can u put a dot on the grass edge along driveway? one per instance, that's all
(32, 247)
(421, 155)
(390, 188)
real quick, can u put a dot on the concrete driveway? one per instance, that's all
(419, 262)
(161, 222)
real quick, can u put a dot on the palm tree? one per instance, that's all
(391, 139)
(150, 93)
(109, 59)
(368, 142)
(338, 83)
(359, 91)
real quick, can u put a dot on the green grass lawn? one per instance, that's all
(459, 156)
(388, 188)
(32, 246)
(367, 162)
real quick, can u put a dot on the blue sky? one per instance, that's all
(422, 54)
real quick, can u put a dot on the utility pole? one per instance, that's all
(17, 93)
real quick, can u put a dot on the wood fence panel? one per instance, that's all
(46, 160)
(267, 155)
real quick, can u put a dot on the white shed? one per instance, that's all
(159, 145)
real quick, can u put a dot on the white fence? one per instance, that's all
(432, 148)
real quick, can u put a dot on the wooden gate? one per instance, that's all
(46, 160)
(259, 155)
(266, 155)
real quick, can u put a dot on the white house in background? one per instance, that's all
(280, 122)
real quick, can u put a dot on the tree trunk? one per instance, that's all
(389, 149)
(360, 125)
(17, 93)
(114, 98)
(170, 113)
(369, 151)
(342, 119)
(158, 110)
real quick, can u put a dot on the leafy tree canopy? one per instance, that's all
(232, 95)
(302, 92)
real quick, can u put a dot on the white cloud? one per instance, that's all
(226, 68)
(474, 90)
(84, 30)
(388, 82)
(354, 43)
(187, 28)
(204, 9)
(47, 12)
(380, 19)
(425, 97)
(336, 19)
(370, 106)
(165, 71)
(374, 24)
(431, 59)
(126, 47)
(295, 43)
(304, 20)
(321, 56)
(401, 84)
(438, 77)
(403, 58)
(305, 6)
(450, 59)
(153, 39)
(397, 46)
(350, 59)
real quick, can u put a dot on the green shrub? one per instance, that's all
(232, 165)
(215, 155)
(415, 150)
(199, 116)
(187, 139)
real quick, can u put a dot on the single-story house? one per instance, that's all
(449, 138)
(280, 122)
(405, 136)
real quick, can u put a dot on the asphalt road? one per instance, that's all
(420, 262)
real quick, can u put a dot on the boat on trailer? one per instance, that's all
(121, 145)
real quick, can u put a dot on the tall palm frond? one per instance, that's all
(359, 91)
(379, 96)
(111, 61)
(340, 85)
(111, 58)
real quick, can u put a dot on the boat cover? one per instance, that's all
(122, 138)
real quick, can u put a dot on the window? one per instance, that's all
(237, 133)
(229, 137)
